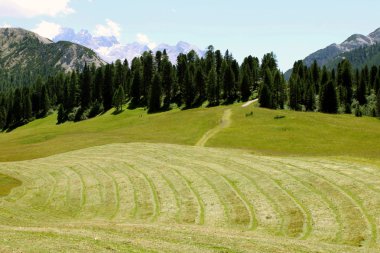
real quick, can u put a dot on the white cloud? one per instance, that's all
(144, 39)
(111, 28)
(29, 8)
(47, 29)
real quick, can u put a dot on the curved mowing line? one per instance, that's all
(153, 190)
(355, 168)
(353, 200)
(307, 223)
(176, 196)
(266, 195)
(354, 179)
(224, 123)
(213, 187)
(117, 192)
(133, 186)
(201, 205)
(358, 202)
(253, 223)
(83, 187)
(45, 184)
(331, 205)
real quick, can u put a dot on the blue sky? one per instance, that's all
(291, 29)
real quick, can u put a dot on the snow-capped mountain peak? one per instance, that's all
(110, 49)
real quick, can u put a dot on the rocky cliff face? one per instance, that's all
(22, 50)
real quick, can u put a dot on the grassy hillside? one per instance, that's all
(171, 198)
(296, 134)
(43, 137)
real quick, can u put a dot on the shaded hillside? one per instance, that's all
(25, 52)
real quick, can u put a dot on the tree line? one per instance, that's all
(340, 90)
(153, 82)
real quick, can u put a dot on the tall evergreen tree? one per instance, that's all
(265, 97)
(188, 93)
(118, 98)
(85, 87)
(107, 89)
(44, 102)
(294, 94)
(212, 87)
(265, 94)
(167, 80)
(154, 104)
(361, 89)
(147, 62)
(328, 99)
(245, 84)
(200, 85)
(61, 117)
(378, 103)
(228, 83)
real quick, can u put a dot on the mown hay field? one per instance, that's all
(142, 197)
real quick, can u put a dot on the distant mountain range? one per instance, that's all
(356, 48)
(22, 51)
(110, 49)
(326, 55)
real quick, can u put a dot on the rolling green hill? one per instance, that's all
(297, 134)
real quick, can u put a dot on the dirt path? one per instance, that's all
(249, 103)
(224, 123)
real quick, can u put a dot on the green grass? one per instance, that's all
(7, 184)
(310, 134)
(300, 133)
(141, 197)
(133, 182)
(43, 137)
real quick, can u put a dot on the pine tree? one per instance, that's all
(328, 99)
(147, 62)
(98, 84)
(45, 101)
(61, 117)
(309, 97)
(344, 82)
(118, 98)
(135, 88)
(265, 97)
(85, 87)
(265, 94)
(294, 94)
(200, 85)
(73, 99)
(107, 89)
(212, 88)
(378, 103)
(154, 103)
(26, 104)
(245, 84)
(361, 90)
(188, 92)
(228, 84)
(167, 80)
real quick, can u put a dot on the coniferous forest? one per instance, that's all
(153, 82)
